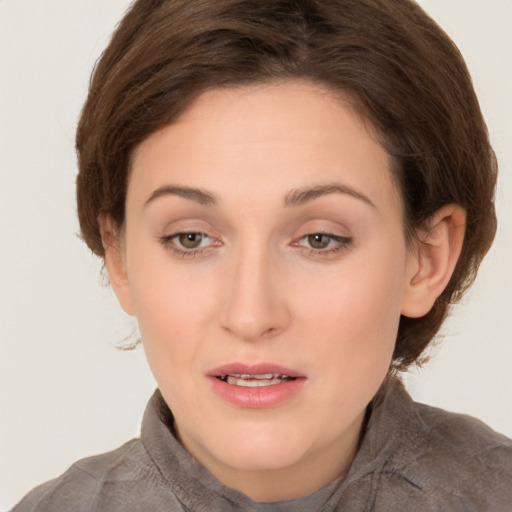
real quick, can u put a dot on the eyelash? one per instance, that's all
(342, 243)
(167, 242)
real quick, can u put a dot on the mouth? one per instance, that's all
(254, 381)
(256, 386)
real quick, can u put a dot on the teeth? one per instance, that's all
(253, 381)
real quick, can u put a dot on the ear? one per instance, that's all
(432, 262)
(115, 262)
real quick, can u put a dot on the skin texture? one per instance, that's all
(258, 289)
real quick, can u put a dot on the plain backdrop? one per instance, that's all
(66, 392)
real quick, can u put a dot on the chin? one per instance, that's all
(254, 448)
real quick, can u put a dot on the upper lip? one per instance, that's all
(253, 369)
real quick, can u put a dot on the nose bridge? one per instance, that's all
(254, 306)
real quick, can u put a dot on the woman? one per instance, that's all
(287, 196)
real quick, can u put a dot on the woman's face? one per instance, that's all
(266, 265)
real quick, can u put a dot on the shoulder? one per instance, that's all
(463, 435)
(83, 487)
(465, 444)
(452, 462)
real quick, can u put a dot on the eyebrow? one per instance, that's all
(304, 195)
(293, 198)
(193, 194)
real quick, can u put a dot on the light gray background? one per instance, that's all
(65, 391)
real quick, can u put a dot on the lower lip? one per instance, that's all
(260, 397)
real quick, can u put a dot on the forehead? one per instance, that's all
(264, 140)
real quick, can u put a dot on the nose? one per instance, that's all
(254, 302)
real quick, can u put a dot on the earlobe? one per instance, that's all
(114, 262)
(433, 261)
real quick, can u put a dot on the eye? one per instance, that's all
(190, 243)
(319, 241)
(323, 243)
(190, 240)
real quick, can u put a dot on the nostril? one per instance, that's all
(269, 332)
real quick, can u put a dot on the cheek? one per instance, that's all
(350, 335)
(354, 315)
(165, 295)
(173, 309)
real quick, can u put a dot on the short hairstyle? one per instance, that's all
(402, 73)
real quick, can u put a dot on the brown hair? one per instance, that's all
(402, 72)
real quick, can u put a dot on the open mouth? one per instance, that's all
(254, 381)
(256, 386)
